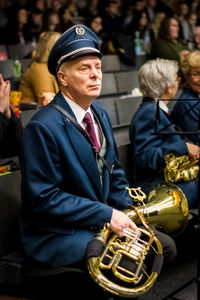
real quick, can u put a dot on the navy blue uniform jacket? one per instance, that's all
(149, 150)
(187, 108)
(63, 198)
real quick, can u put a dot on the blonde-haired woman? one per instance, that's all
(37, 84)
(188, 106)
(155, 24)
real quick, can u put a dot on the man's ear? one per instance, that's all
(62, 78)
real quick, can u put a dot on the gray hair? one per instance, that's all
(155, 75)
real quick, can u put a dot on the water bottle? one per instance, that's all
(17, 68)
(138, 49)
(147, 42)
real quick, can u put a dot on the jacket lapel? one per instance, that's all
(107, 131)
(80, 145)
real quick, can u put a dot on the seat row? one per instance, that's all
(110, 62)
(120, 109)
(20, 50)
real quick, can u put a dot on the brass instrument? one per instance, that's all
(166, 209)
(180, 168)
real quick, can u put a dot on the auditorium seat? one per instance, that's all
(140, 60)
(25, 63)
(26, 115)
(109, 86)
(126, 107)
(6, 68)
(17, 278)
(109, 104)
(20, 51)
(125, 157)
(110, 63)
(126, 81)
(3, 52)
(10, 204)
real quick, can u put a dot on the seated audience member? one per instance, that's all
(34, 26)
(113, 24)
(50, 20)
(72, 183)
(65, 18)
(197, 38)
(168, 45)
(155, 24)
(188, 106)
(189, 30)
(10, 124)
(140, 23)
(14, 32)
(37, 84)
(158, 80)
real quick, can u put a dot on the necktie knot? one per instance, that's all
(90, 130)
(88, 119)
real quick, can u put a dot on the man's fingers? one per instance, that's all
(1, 79)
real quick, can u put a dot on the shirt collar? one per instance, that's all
(163, 106)
(78, 111)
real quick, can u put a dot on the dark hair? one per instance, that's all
(164, 28)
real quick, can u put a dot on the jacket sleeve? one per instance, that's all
(10, 135)
(150, 149)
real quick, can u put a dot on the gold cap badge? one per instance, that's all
(80, 30)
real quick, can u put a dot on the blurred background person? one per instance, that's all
(158, 80)
(155, 24)
(197, 38)
(168, 45)
(193, 6)
(139, 23)
(187, 107)
(113, 24)
(10, 124)
(188, 30)
(50, 20)
(14, 32)
(151, 9)
(37, 84)
(182, 11)
(65, 19)
(33, 28)
(91, 9)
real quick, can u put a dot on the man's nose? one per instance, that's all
(95, 72)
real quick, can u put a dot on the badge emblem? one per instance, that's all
(80, 30)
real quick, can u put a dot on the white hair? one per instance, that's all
(155, 75)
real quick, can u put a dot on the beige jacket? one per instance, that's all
(35, 81)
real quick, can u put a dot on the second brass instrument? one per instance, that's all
(180, 168)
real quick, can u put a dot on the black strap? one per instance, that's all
(82, 131)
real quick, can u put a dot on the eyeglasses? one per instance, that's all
(194, 74)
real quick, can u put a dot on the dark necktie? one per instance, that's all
(90, 130)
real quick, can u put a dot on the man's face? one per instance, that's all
(82, 79)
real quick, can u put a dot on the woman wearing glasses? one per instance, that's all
(187, 108)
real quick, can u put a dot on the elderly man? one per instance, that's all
(72, 181)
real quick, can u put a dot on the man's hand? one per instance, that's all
(119, 221)
(4, 97)
(194, 150)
